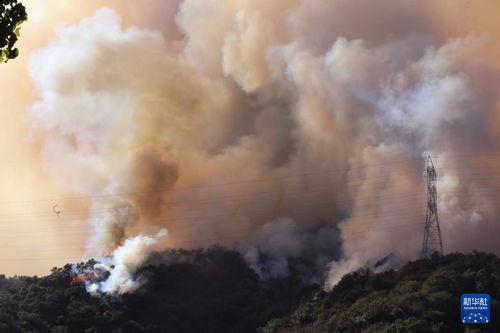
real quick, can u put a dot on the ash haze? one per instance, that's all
(122, 114)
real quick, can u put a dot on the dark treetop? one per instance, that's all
(12, 14)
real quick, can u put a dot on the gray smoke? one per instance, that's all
(333, 106)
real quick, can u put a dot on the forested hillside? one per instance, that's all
(210, 290)
(422, 296)
(214, 290)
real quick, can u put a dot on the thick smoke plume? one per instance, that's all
(122, 265)
(309, 121)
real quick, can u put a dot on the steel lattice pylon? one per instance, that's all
(432, 232)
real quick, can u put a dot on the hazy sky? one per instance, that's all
(33, 239)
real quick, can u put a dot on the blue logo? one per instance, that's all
(475, 308)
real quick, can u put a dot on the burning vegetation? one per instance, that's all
(215, 291)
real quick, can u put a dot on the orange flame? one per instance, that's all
(77, 279)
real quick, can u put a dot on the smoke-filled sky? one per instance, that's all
(296, 128)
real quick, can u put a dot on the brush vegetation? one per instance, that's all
(210, 290)
(214, 290)
(422, 296)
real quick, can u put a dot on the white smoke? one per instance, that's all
(123, 264)
(262, 90)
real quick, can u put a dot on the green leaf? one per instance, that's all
(12, 15)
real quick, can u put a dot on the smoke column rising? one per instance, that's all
(260, 90)
(122, 265)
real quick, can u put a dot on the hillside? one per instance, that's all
(210, 290)
(214, 290)
(422, 296)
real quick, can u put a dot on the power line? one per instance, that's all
(308, 194)
(132, 193)
(398, 195)
(328, 171)
(188, 202)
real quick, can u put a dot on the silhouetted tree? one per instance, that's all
(422, 296)
(12, 15)
(215, 291)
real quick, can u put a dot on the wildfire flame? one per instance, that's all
(87, 276)
(77, 279)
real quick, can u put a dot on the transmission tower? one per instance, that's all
(432, 232)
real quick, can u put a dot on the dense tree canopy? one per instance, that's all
(12, 15)
(210, 290)
(214, 290)
(422, 296)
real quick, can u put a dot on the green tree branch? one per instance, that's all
(12, 15)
